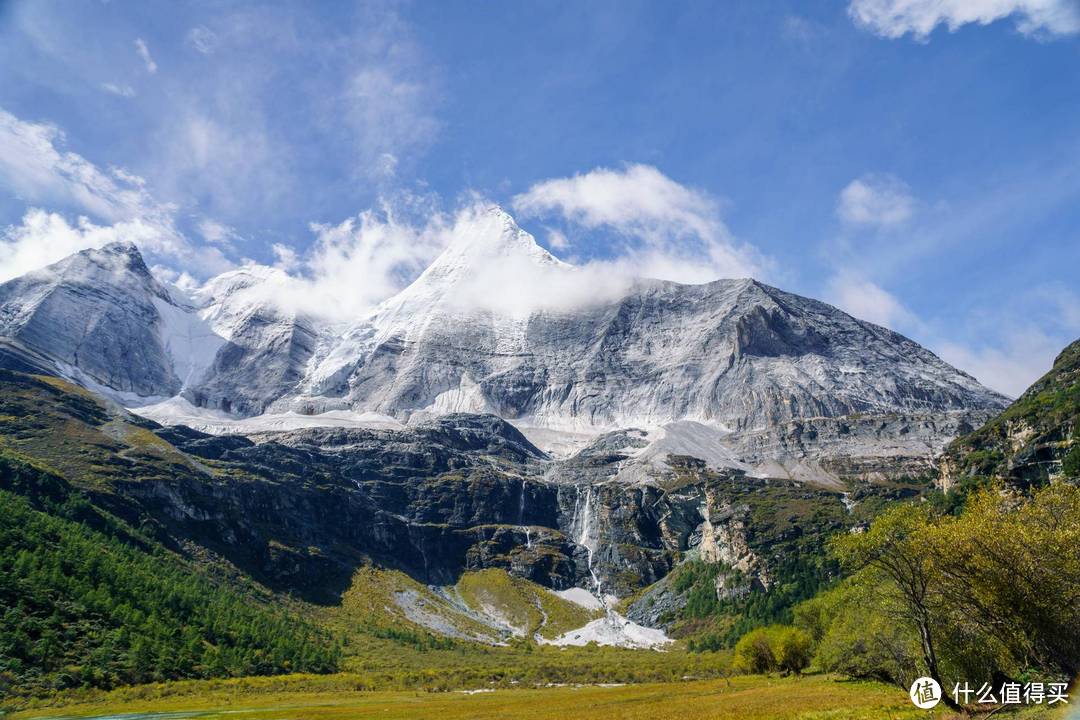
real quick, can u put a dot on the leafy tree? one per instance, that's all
(1009, 568)
(859, 634)
(894, 554)
(794, 650)
(992, 592)
(754, 652)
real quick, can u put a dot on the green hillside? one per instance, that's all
(1035, 439)
(89, 600)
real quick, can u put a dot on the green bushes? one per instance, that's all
(774, 648)
(1070, 464)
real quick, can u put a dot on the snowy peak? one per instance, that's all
(498, 324)
(488, 242)
(490, 267)
(118, 264)
(244, 280)
(95, 316)
(493, 233)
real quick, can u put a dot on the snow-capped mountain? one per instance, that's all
(266, 348)
(497, 324)
(100, 317)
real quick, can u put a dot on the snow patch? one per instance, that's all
(559, 444)
(614, 629)
(467, 397)
(179, 411)
(190, 341)
(580, 596)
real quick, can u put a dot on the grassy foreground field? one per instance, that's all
(329, 698)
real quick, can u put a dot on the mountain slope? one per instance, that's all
(95, 315)
(736, 353)
(1034, 440)
(265, 349)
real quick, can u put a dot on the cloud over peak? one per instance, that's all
(666, 229)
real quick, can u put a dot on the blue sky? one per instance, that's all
(916, 162)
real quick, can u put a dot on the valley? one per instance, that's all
(434, 547)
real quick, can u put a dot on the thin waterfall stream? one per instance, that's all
(521, 516)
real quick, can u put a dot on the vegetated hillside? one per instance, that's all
(301, 511)
(1035, 439)
(91, 601)
(981, 580)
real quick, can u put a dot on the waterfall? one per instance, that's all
(584, 524)
(521, 516)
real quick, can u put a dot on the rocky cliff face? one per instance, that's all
(299, 511)
(735, 353)
(265, 350)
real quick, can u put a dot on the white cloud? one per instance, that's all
(1009, 366)
(1006, 348)
(216, 233)
(1008, 356)
(144, 53)
(388, 110)
(867, 300)
(876, 199)
(33, 167)
(121, 90)
(203, 39)
(669, 231)
(229, 164)
(356, 264)
(359, 262)
(36, 168)
(286, 258)
(1018, 341)
(896, 18)
(43, 238)
(801, 30)
(558, 240)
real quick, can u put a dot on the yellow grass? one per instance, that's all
(741, 698)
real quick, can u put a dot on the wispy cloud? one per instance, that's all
(355, 264)
(34, 165)
(203, 39)
(664, 229)
(888, 236)
(867, 300)
(125, 91)
(875, 199)
(144, 53)
(36, 168)
(919, 18)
